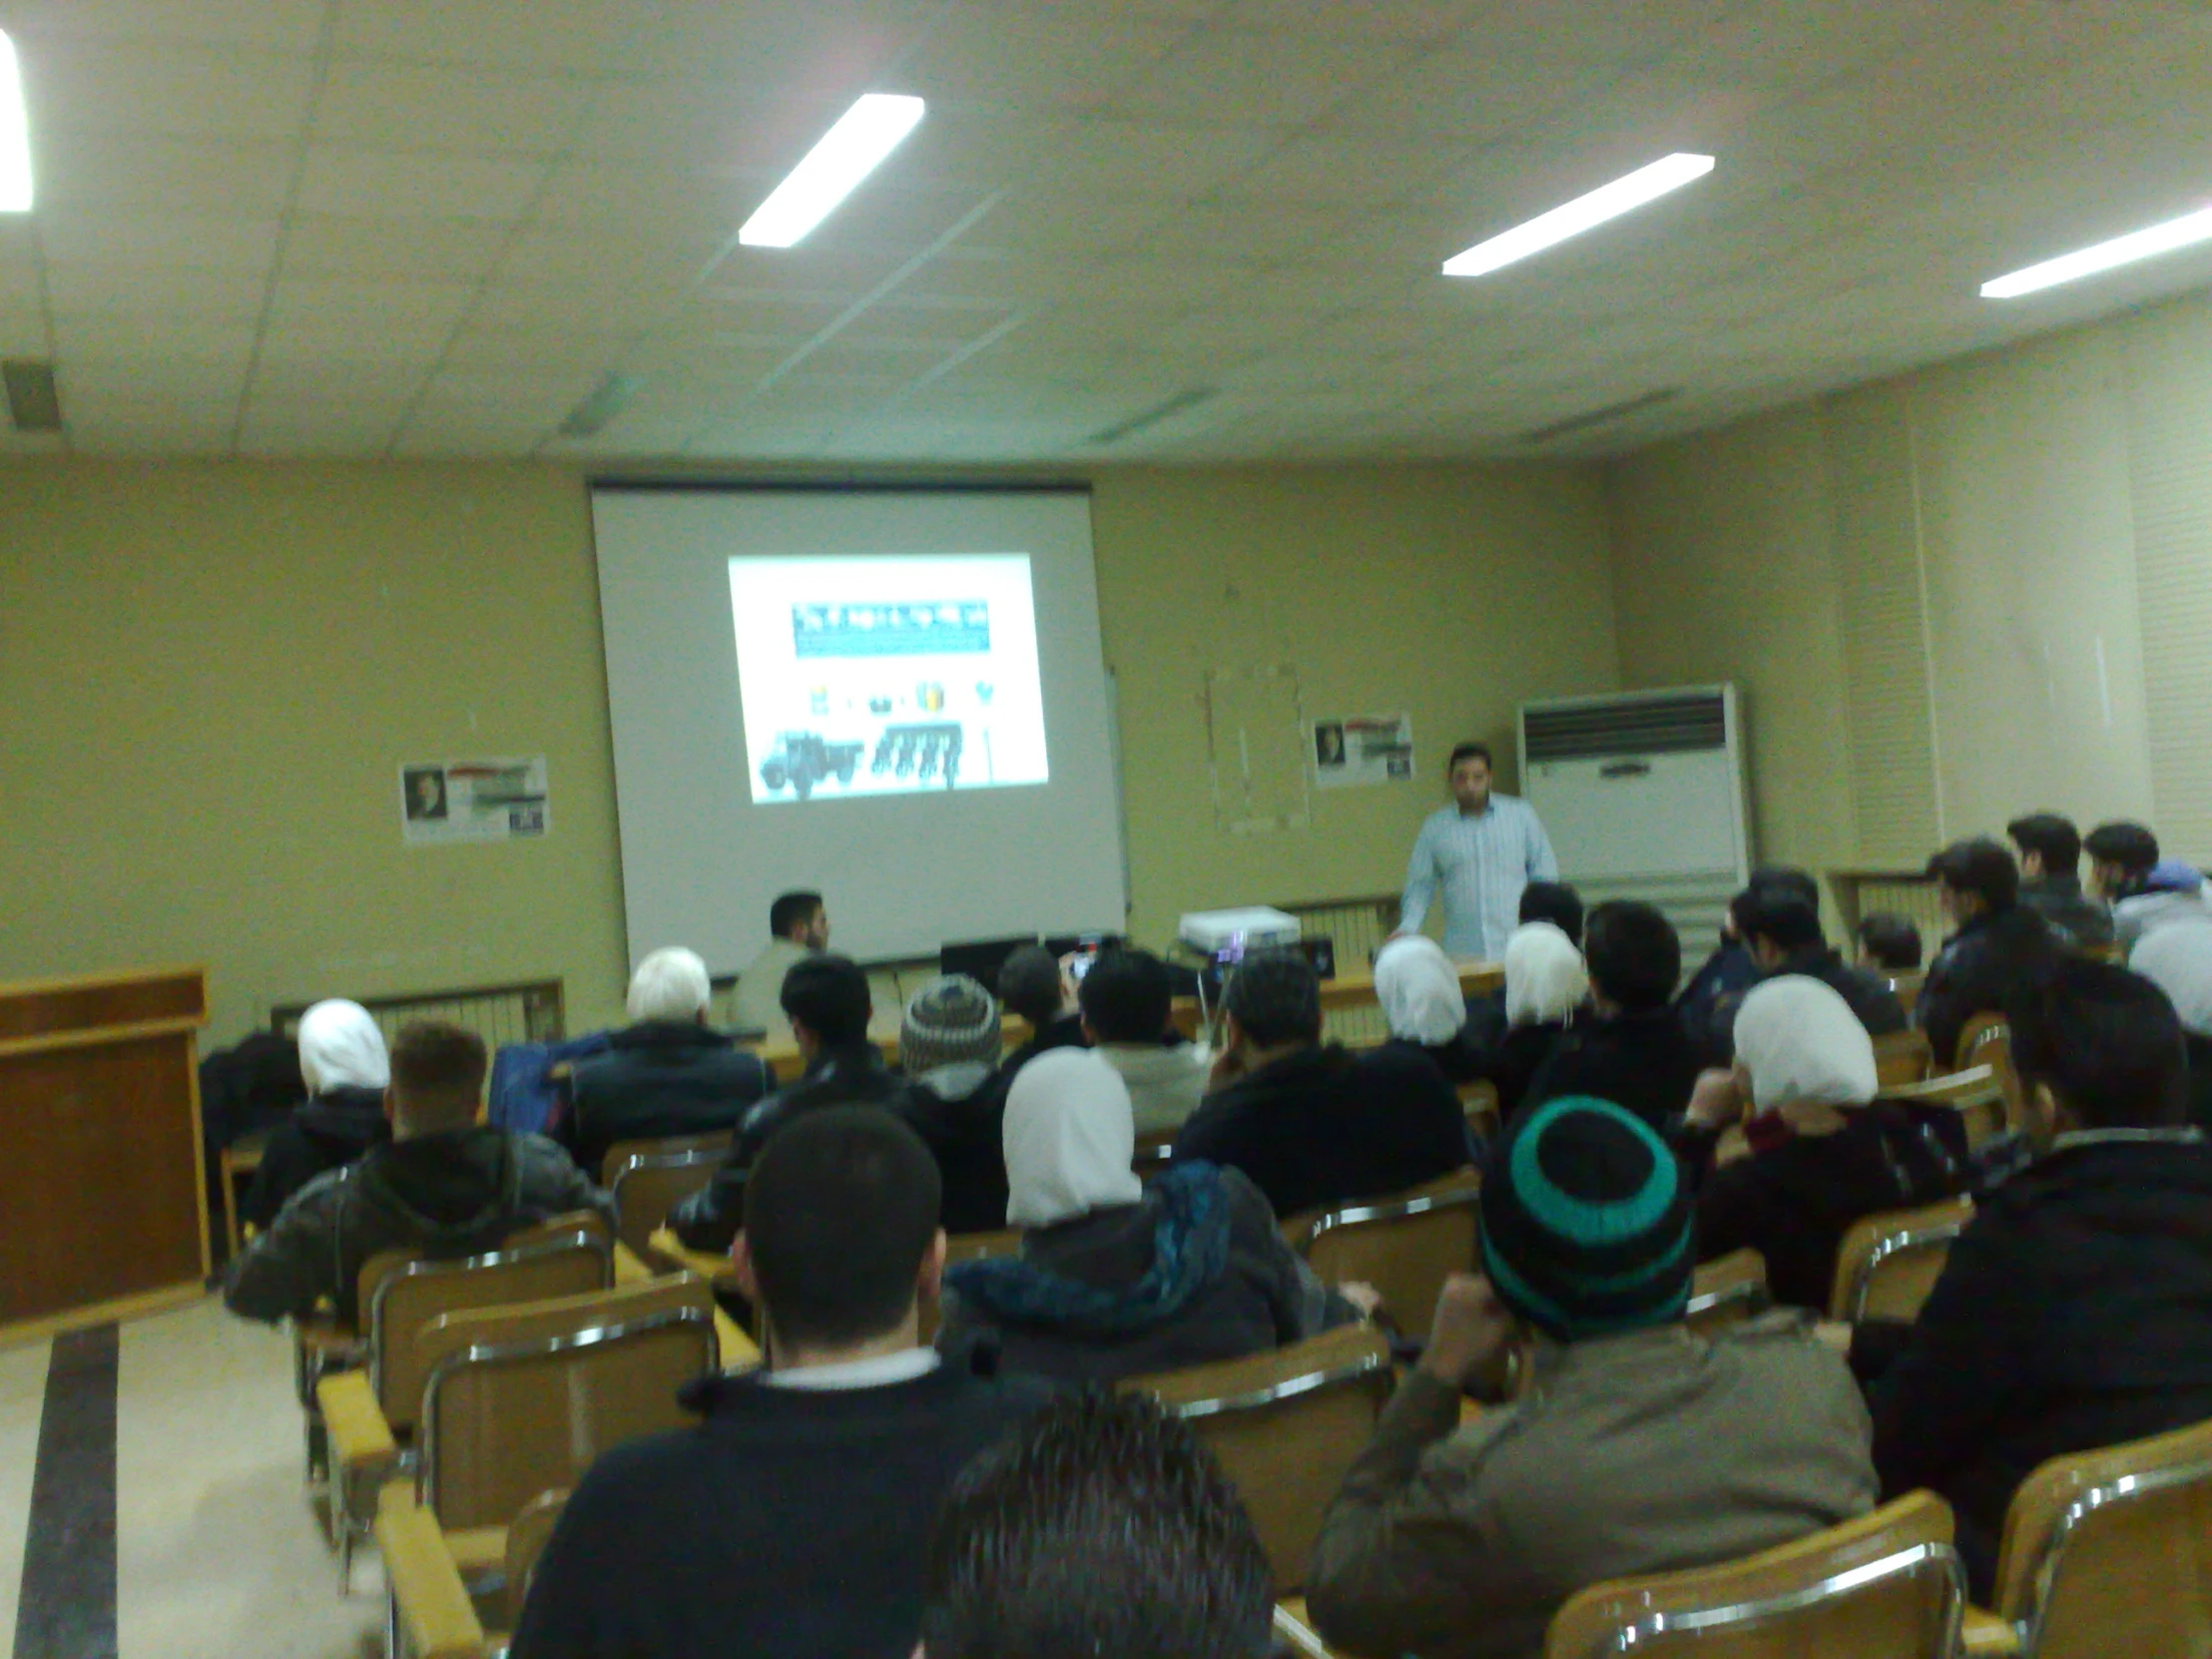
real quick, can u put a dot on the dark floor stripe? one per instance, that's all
(67, 1608)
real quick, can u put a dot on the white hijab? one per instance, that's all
(1069, 1139)
(1803, 1046)
(1420, 991)
(1546, 980)
(341, 1047)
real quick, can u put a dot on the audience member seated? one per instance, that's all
(1546, 985)
(1312, 1126)
(948, 1045)
(1128, 1004)
(344, 1066)
(1418, 988)
(827, 1001)
(2178, 961)
(1640, 1448)
(1783, 935)
(1824, 1151)
(1888, 943)
(1116, 1278)
(445, 1184)
(664, 1074)
(1995, 948)
(1555, 903)
(1729, 971)
(798, 928)
(2144, 891)
(1032, 985)
(2071, 1313)
(2049, 849)
(1633, 1051)
(1101, 1529)
(793, 1518)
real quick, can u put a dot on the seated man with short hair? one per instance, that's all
(1032, 985)
(793, 1518)
(2072, 1312)
(1998, 945)
(1888, 943)
(664, 1074)
(2146, 891)
(1635, 1052)
(1641, 1448)
(1785, 938)
(1102, 1529)
(445, 1184)
(827, 1002)
(1555, 903)
(1127, 1002)
(1311, 1125)
(2049, 849)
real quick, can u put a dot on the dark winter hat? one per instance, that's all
(1586, 1225)
(951, 1019)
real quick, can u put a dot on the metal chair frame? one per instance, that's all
(1290, 1387)
(1900, 1242)
(655, 1161)
(1750, 1291)
(1395, 1210)
(2050, 1557)
(582, 1238)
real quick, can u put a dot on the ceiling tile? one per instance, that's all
(103, 171)
(147, 426)
(164, 92)
(1242, 77)
(341, 179)
(207, 242)
(338, 304)
(393, 105)
(534, 35)
(290, 26)
(367, 248)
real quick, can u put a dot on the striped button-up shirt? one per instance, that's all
(1482, 861)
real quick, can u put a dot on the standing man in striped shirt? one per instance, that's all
(1483, 849)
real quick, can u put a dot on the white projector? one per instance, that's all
(1256, 928)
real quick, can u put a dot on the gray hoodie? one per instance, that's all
(1165, 1084)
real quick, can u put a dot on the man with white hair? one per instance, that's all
(664, 1074)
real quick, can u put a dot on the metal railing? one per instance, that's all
(531, 1010)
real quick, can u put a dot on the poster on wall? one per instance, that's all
(472, 800)
(1363, 749)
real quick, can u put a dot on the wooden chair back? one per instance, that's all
(1888, 1263)
(1405, 1247)
(1987, 1041)
(2110, 1552)
(1901, 1057)
(1728, 1291)
(1479, 1100)
(527, 1537)
(504, 1416)
(622, 1152)
(648, 1186)
(1905, 987)
(1975, 1094)
(1286, 1425)
(413, 1294)
(1888, 1583)
(561, 1226)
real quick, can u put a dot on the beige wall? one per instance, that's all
(209, 675)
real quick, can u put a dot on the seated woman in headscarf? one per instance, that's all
(1824, 1152)
(1546, 983)
(1115, 1280)
(343, 1062)
(1418, 991)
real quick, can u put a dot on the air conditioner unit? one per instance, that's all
(1642, 794)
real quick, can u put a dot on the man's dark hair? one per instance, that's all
(437, 1078)
(1892, 940)
(1790, 879)
(840, 1207)
(2130, 846)
(1276, 996)
(1029, 984)
(1127, 996)
(1979, 866)
(1634, 954)
(2051, 836)
(792, 912)
(828, 996)
(1779, 915)
(1555, 903)
(2105, 1041)
(1468, 751)
(1101, 1529)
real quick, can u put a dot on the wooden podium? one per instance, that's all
(102, 1194)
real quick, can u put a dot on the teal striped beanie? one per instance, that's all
(1586, 1221)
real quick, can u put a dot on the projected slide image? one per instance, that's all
(887, 675)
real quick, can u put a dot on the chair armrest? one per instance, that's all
(1986, 1635)
(628, 1269)
(711, 1266)
(439, 1620)
(738, 1351)
(1294, 1633)
(361, 1442)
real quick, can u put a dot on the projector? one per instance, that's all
(1211, 933)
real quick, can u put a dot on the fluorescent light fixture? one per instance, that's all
(848, 152)
(15, 135)
(2185, 231)
(1646, 183)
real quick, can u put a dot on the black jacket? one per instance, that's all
(1461, 1060)
(788, 1522)
(1319, 1128)
(1064, 1032)
(1263, 1296)
(451, 1195)
(656, 1079)
(2075, 1311)
(327, 1133)
(1722, 976)
(1976, 972)
(1868, 996)
(2074, 916)
(1793, 1203)
(1645, 1062)
(857, 1076)
(961, 1111)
